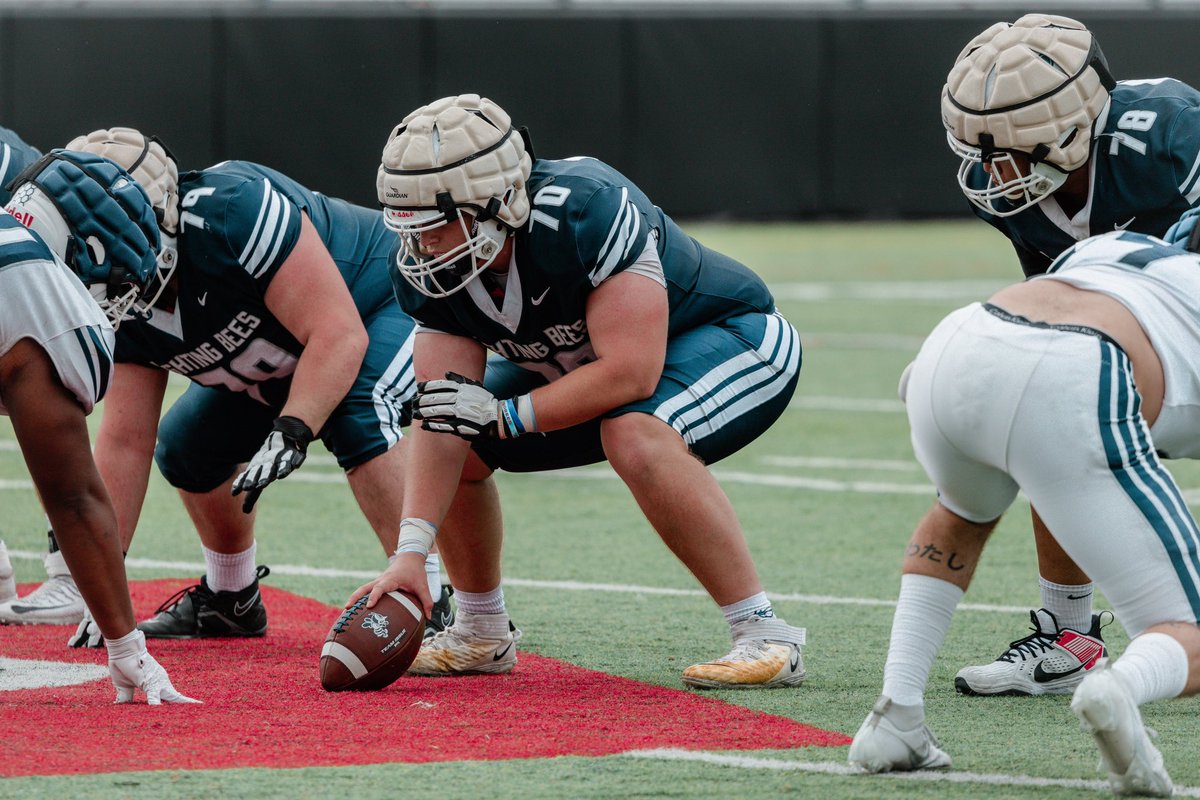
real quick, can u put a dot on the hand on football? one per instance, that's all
(406, 572)
(281, 454)
(132, 668)
(460, 406)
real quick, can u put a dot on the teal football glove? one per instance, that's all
(1185, 233)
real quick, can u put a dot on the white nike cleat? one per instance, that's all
(1107, 711)
(1051, 660)
(765, 654)
(8, 582)
(55, 602)
(881, 745)
(476, 644)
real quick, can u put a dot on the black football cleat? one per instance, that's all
(197, 612)
(443, 613)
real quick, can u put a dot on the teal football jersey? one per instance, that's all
(238, 224)
(587, 223)
(1145, 172)
(15, 155)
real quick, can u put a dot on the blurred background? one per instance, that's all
(765, 110)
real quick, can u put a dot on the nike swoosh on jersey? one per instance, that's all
(537, 301)
(1043, 676)
(1128, 222)
(202, 299)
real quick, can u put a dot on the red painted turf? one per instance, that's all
(264, 707)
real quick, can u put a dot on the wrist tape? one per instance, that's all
(416, 536)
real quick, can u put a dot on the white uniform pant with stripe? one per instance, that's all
(998, 404)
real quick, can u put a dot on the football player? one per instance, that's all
(15, 155)
(1053, 151)
(1091, 373)
(56, 364)
(57, 600)
(279, 311)
(621, 338)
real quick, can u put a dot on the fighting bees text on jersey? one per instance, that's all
(1144, 172)
(588, 222)
(44, 301)
(238, 223)
(1160, 285)
(15, 155)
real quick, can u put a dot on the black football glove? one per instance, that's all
(284, 451)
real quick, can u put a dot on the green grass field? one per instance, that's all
(828, 498)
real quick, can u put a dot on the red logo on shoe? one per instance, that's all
(1085, 648)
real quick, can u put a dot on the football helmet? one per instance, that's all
(98, 220)
(147, 159)
(456, 160)
(1034, 88)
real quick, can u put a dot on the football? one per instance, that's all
(369, 648)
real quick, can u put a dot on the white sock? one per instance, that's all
(1070, 605)
(919, 627)
(755, 605)
(1154, 667)
(229, 572)
(433, 574)
(481, 602)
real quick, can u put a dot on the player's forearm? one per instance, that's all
(324, 374)
(591, 390)
(86, 532)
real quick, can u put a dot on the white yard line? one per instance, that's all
(806, 462)
(964, 291)
(861, 341)
(822, 403)
(302, 570)
(922, 776)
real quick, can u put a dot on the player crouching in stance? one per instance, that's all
(280, 314)
(623, 339)
(56, 363)
(1068, 387)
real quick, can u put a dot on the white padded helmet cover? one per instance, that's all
(146, 160)
(465, 146)
(1040, 58)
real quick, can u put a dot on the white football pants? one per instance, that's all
(1000, 403)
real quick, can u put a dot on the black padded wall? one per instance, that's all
(738, 114)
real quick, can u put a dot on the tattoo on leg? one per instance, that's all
(936, 554)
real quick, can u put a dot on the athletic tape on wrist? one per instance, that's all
(416, 536)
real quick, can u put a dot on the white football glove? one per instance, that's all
(463, 407)
(88, 632)
(132, 668)
(282, 453)
(460, 406)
